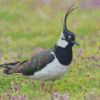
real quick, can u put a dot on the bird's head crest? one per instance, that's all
(68, 12)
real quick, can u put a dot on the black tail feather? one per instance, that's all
(9, 66)
(6, 71)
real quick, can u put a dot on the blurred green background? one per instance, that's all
(24, 24)
(28, 24)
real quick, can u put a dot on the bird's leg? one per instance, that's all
(42, 86)
(51, 87)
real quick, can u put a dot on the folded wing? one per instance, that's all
(29, 67)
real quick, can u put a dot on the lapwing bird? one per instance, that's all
(50, 64)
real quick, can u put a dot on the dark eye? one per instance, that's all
(68, 37)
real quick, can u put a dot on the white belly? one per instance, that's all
(52, 71)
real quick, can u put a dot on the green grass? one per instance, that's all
(24, 30)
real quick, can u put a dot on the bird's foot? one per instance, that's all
(42, 86)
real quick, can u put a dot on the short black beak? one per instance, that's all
(75, 43)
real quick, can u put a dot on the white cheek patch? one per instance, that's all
(69, 36)
(62, 43)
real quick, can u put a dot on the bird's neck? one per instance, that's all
(64, 55)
